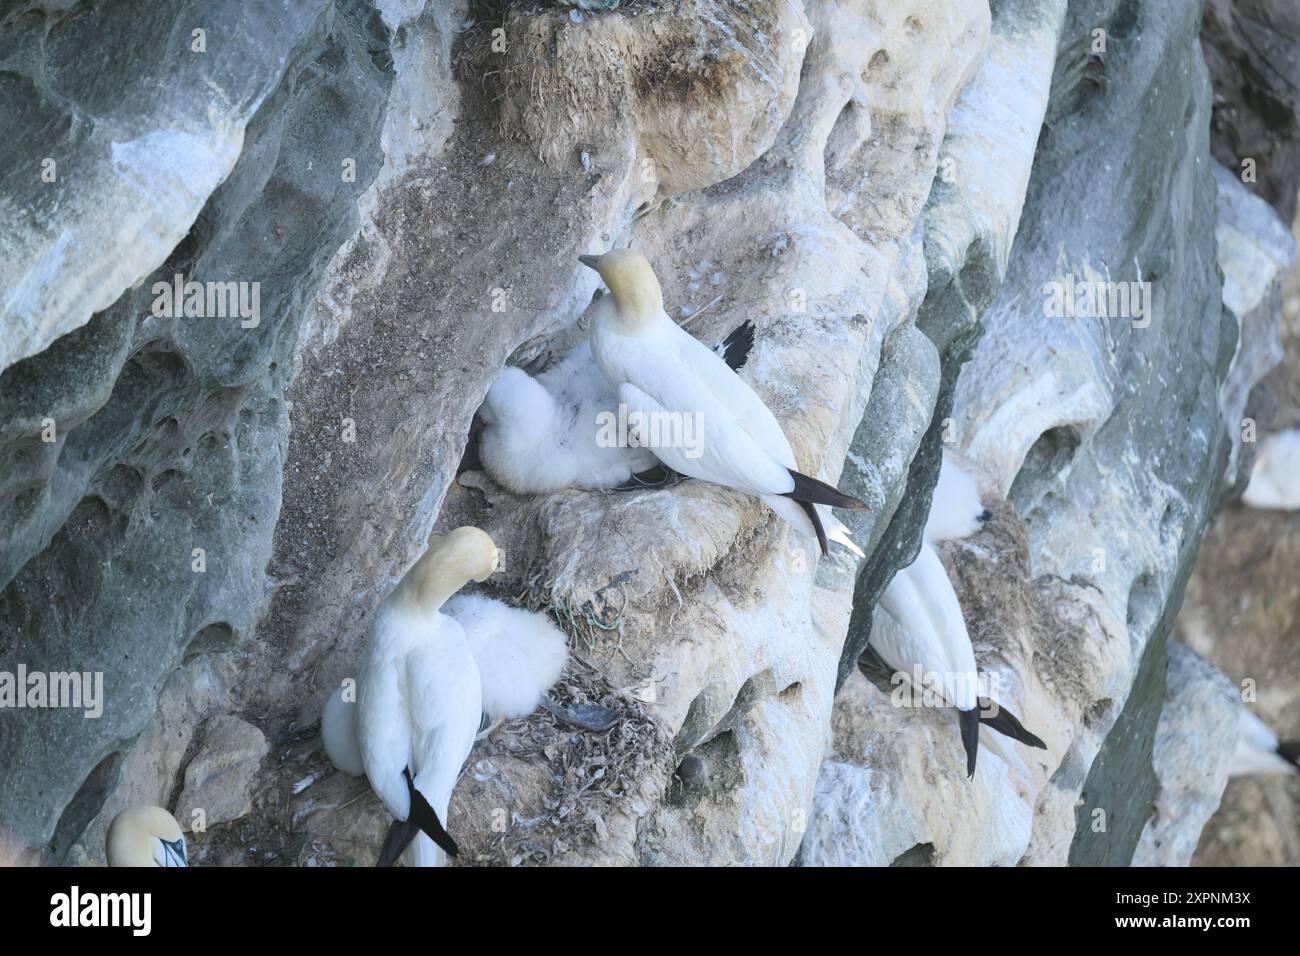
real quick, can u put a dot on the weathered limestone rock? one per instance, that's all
(129, 148)
(219, 780)
(170, 431)
(850, 177)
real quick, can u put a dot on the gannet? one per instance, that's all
(1275, 480)
(419, 698)
(145, 836)
(918, 623)
(519, 654)
(1258, 750)
(660, 372)
(542, 434)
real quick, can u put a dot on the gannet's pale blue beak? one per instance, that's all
(590, 261)
(174, 853)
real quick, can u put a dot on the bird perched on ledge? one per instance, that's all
(919, 625)
(419, 698)
(658, 370)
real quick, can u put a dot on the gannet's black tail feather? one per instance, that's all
(970, 736)
(399, 837)
(735, 348)
(1290, 752)
(421, 818)
(1005, 722)
(820, 493)
(816, 520)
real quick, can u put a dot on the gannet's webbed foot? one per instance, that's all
(660, 476)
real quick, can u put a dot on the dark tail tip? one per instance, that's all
(1005, 723)
(970, 737)
(820, 493)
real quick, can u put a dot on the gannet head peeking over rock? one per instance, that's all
(145, 836)
(419, 698)
(672, 385)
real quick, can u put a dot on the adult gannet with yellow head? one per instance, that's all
(419, 698)
(661, 372)
(519, 655)
(145, 836)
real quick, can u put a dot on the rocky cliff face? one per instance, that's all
(208, 509)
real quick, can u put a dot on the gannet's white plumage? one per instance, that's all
(418, 697)
(145, 836)
(1275, 479)
(519, 654)
(657, 369)
(543, 434)
(918, 622)
(338, 730)
(540, 433)
(1258, 750)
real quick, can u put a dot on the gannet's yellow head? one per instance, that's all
(145, 836)
(466, 554)
(635, 289)
(470, 551)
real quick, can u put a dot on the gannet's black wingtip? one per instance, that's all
(808, 489)
(399, 837)
(816, 520)
(1004, 722)
(425, 818)
(970, 737)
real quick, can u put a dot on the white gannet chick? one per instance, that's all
(145, 836)
(540, 434)
(664, 375)
(418, 697)
(519, 654)
(338, 730)
(1258, 750)
(543, 434)
(1275, 480)
(918, 623)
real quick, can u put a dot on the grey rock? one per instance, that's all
(219, 781)
(171, 430)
